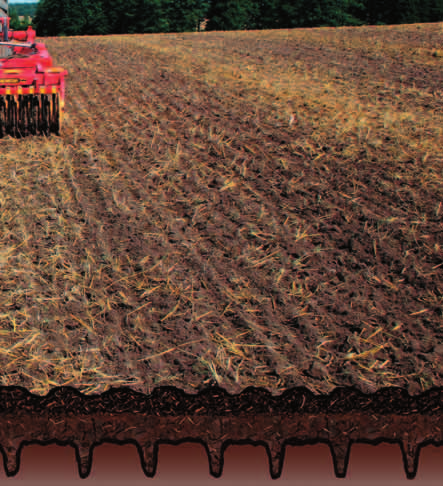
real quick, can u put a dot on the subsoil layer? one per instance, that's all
(217, 419)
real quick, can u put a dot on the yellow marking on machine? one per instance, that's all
(55, 70)
(9, 80)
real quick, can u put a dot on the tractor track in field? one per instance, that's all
(89, 189)
(204, 266)
(199, 259)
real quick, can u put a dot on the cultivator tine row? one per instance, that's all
(22, 115)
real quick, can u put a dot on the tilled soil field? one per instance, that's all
(243, 209)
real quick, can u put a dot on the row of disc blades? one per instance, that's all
(22, 115)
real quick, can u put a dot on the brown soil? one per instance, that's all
(241, 209)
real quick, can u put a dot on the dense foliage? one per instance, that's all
(15, 23)
(21, 9)
(25, 9)
(82, 17)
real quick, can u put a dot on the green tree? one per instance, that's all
(95, 21)
(317, 13)
(295, 13)
(25, 9)
(231, 14)
(186, 15)
(113, 12)
(430, 10)
(128, 17)
(332, 13)
(353, 12)
(407, 12)
(69, 17)
(436, 11)
(266, 15)
(153, 16)
(47, 17)
(14, 22)
(73, 17)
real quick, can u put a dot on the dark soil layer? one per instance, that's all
(216, 419)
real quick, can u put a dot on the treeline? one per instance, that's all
(98, 17)
(21, 9)
(25, 9)
(15, 23)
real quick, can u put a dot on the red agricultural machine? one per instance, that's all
(32, 90)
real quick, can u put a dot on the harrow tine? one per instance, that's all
(2, 118)
(21, 122)
(55, 114)
(8, 115)
(45, 115)
(28, 110)
(39, 114)
(34, 115)
(28, 114)
(12, 116)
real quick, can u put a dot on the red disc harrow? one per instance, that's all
(32, 90)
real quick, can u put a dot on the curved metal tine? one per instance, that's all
(2, 117)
